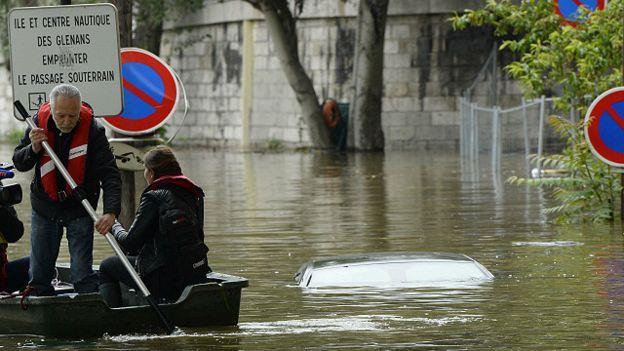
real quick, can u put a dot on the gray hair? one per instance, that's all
(66, 90)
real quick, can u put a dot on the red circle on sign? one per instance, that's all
(163, 111)
(602, 104)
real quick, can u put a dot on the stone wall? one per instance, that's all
(427, 65)
(208, 61)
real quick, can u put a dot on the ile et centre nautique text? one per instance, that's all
(65, 57)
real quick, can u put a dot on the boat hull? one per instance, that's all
(216, 303)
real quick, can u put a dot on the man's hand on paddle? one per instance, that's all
(105, 223)
(37, 135)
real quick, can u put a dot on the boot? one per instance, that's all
(111, 294)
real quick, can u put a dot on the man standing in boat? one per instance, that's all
(78, 139)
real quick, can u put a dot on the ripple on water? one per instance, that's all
(299, 326)
(547, 243)
(146, 337)
(431, 321)
(347, 324)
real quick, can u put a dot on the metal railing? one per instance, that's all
(487, 128)
(493, 130)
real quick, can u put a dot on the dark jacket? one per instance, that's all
(167, 235)
(101, 171)
(11, 227)
(11, 230)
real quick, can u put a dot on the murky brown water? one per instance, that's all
(555, 287)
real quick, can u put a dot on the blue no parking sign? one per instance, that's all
(150, 93)
(604, 129)
(573, 11)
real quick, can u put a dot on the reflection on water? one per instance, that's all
(266, 214)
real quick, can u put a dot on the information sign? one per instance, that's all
(73, 44)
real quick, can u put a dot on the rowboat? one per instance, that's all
(71, 315)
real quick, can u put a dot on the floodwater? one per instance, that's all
(555, 287)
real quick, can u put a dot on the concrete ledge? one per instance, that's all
(225, 11)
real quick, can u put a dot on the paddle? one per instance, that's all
(109, 237)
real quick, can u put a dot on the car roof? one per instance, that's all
(382, 257)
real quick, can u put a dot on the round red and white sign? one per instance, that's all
(605, 131)
(150, 93)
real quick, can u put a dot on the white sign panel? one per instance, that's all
(74, 44)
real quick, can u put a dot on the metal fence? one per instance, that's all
(488, 130)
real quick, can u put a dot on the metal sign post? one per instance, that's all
(151, 95)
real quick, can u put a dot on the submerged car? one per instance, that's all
(391, 270)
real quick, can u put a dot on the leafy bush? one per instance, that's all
(581, 62)
(587, 191)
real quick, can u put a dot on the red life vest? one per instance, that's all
(76, 163)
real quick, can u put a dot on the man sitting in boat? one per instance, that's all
(79, 141)
(167, 234)
(13, 275)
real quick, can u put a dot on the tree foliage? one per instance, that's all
(578, 63)
(575, 63)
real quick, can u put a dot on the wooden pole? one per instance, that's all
(128, 178)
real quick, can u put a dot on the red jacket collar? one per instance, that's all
(180, 180)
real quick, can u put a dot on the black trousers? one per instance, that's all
(112, 270)
(17, 272)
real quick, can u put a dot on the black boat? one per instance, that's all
(71, 315)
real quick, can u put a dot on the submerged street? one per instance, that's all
(555, 287)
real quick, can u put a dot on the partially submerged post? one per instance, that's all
(154, 101)
(128, 177)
